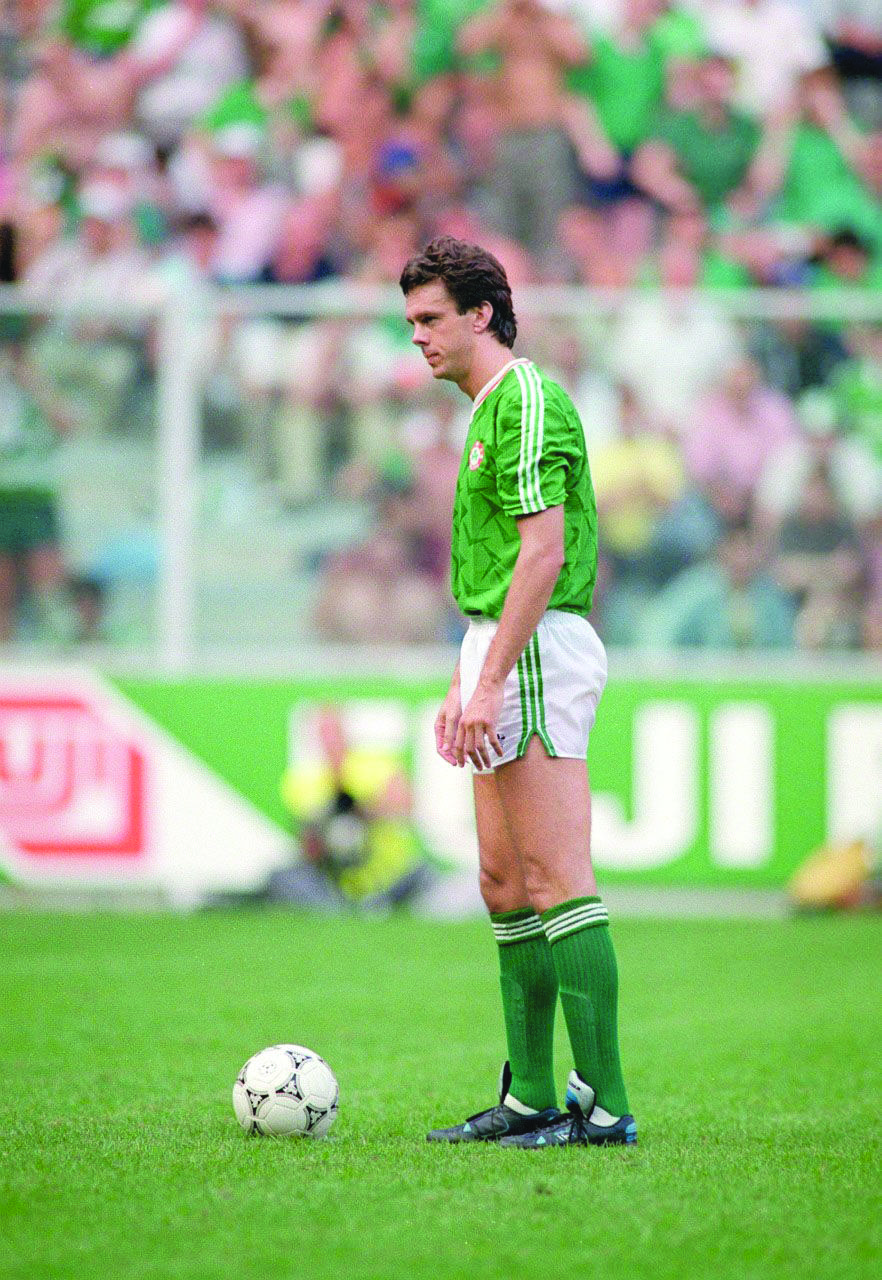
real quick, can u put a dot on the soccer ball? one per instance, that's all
(286, 1091)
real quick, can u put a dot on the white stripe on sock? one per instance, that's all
(575, 926)
(578, 916)
(521, 929)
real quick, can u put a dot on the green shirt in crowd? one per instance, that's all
(713, 161)
(437, 28)
(626, 82)
(28, 441)
(101, 27)
(525, 452)
(822, 190)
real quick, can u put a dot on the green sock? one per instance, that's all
(529, 998)
(585, 962)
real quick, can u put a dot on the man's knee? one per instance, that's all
(545, 887)
(501, 890)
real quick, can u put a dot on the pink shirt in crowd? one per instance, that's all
(731, 440)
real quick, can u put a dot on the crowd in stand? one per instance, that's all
(641, 144)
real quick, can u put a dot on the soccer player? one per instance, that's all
(522, 702)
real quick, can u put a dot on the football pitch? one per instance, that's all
(753, 1052)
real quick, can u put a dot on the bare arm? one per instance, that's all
(538, 566)
(480, 33)
(654, 168)
(565, 40)
(447, 720)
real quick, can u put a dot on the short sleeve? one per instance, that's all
(535, 446)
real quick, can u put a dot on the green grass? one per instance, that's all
(753, 1052)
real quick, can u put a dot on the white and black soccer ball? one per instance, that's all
(286, 1091)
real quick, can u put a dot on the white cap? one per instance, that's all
(318, 166)
(123, 151)
(238, 141)
(105, 201)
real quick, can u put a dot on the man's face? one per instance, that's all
(445, 337)
(717, 80)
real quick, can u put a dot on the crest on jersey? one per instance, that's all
(476, 456)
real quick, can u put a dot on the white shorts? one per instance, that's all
(552, 690)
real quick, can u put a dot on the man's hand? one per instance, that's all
(447, 722)
(477, 727)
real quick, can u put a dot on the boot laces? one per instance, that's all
(577, 1129)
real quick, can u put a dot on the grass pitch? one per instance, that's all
(753, 1052)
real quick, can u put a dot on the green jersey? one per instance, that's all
(525, 452)
(101, 27)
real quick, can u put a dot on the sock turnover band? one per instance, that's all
(515, 926)
(578, 913)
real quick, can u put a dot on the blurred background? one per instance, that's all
(220, 454)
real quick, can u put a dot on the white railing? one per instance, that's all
(177, 319)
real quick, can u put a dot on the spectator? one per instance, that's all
(809, 167)
(699, 156)
(730, 602)
(687, 236)
(249, 212)
(854, 31)
(605, 249)
(181, 57)
(623, 78)
(638, 477)
(795, 355)
(126, 162)
(69, 102)
(31, 565)
(657, 334)
(352, 809)
(95, 281)
(857, 387)
(533, 179)
(853, 472)
(846, 261)
(100, 262)
(771, 42)
(375, 594)
(737, 429)
(423, 505)
(819, 564)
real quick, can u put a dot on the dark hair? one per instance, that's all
(848, 238)
(471, 276)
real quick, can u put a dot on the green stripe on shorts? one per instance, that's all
(525, 711)
(542, 728)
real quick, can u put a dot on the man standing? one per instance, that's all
(522, 702)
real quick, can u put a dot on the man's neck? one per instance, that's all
(487, 363)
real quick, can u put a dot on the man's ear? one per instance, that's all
(483, 316)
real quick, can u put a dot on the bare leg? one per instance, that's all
(547, 804)
(527, 977)
(547, 807)
(502, 881)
